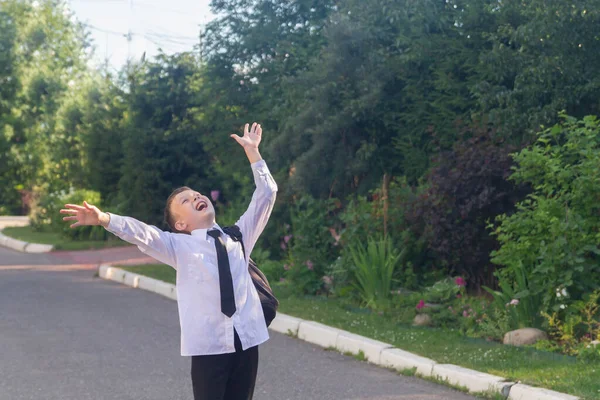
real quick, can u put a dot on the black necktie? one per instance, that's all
(225, 281)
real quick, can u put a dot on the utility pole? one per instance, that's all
(129, 33)
(200, 34)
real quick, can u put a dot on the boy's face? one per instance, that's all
(192, 211)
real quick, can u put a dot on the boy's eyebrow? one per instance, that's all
(183, 198)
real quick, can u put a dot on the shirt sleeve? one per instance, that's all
(148, 238)
(254, 220)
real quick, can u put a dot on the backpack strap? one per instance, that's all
(235, 233)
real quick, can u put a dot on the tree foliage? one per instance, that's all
(466, 189)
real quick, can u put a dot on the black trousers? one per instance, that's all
(225, 376)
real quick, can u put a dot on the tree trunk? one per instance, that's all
(386, 202)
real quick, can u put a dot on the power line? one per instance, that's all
(170, 36)
(104, 30)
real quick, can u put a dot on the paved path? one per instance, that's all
(65, 335)
(116, 255)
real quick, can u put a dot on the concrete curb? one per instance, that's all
(319, 334)
(286, 324)
(474, 380)
(376, 352)
(22, 246)
(401, 360)
(526, 392)
(351, 343)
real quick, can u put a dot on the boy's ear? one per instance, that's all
(180, 226)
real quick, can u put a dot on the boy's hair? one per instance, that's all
(169, 217)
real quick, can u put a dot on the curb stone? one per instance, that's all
(350, 342)
(319, 334)
(401, 360)
(343, 341)
(286, 324)
(474, 380)
(22, 246)
(526, 392)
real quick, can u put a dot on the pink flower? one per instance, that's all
(514, 302)
(283, 246)
(286, 267)
(465, 314)
(327, 279)
(460, 281)
(287, 238)
(458, 296)
(420, 305)
(309, 265)
(214, 195)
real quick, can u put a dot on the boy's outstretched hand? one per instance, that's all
(85, 215)
(251, 139)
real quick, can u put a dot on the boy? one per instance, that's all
(220, 314)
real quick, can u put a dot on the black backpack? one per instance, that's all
(265, 293)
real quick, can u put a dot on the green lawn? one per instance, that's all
(157, 271)
(27, 234)
(537, 368)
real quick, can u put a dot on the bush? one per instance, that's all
(573, 328)
(444, 301)
(464, 190)
(521, 299)
(553, 235)
(363, 218)
(46, 215)
(310, 245)
(273, 269)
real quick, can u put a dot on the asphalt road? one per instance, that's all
(66, 335)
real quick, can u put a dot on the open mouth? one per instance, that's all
(201, 206)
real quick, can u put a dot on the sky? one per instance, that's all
(173, 25)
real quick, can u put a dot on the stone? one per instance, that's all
(422, 320)
(524, 336)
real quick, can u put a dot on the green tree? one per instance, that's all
(50, 56)
(9, 86)
(392, 73)
(162, 139)
(544, 58)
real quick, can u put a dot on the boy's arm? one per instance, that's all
(254, 220)
(149, 239)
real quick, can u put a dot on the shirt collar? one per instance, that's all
(203, 233)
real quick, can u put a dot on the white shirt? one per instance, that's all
(204, 328)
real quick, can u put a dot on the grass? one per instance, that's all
(157, 271)
(27, 234)
(537, 368)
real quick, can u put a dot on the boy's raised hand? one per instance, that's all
(251, 138)
(84, 215)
